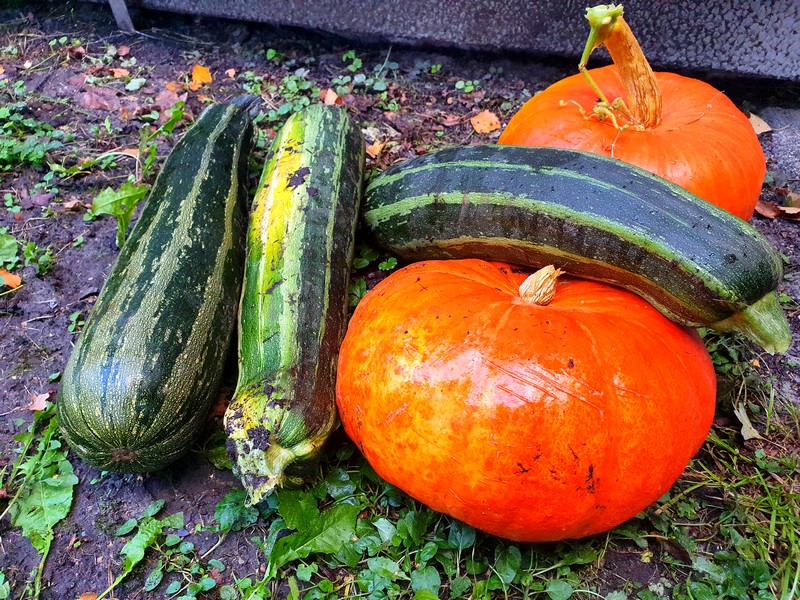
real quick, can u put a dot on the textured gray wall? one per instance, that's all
(759, 37)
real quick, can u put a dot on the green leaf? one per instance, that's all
(428, 579)
(617, 595)
(386, 567)
(153, 509)
(207, 583)
(339, 484)
(126, 527)
(461, 536)
(8, 248)
(459, 586)
(121, 204)
(172, 588)
(135, 84)
(173, 521)
(326, 535)
(425, 594)
(298, 508)
(559, 589)
(507, 563)
(386, 529)
(47, 497)
(146, 535)
(153, 579)
(216, 564)
(232, 512)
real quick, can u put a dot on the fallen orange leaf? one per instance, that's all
(231, 73)
(375, 149)
(10, 279)
(329, 97)
(485, 122)
(88, 596)
(2, 69)
(200, 76)
(174, 86)
(119, 73)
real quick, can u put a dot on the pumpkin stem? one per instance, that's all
(540, 287)
(610, 29)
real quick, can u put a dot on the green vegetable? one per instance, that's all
(147, 365)
(592, 216)
(293, 311)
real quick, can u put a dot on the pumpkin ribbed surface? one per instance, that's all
(534, 423)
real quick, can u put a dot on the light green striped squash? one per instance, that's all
(592, 216)
(293, 311)
(147, 366)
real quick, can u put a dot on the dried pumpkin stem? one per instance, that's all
(540, 287)
(609, 28)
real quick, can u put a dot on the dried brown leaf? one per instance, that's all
(38, 402)
(759, 124)
(100, 99)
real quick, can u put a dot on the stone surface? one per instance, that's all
(754, 38)
(783, 142)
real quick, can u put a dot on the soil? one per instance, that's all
(35, 319)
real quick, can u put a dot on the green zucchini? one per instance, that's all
(147, 366)
(293, 311)
(592, 216)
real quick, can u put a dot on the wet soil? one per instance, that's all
(420, 111)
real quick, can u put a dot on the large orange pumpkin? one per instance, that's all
(531, 422)
(680, 128)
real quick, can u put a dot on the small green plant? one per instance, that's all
(11, 204)
(149, 532)
(23, 139)
(43, 258)
(467, 86)
(76, 322)
(436, 68)
(121, 204)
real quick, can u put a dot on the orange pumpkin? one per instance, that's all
(680, 128)
(529, 421)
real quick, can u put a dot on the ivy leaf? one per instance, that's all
(121, 204)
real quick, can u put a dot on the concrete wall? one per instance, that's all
(754, 38)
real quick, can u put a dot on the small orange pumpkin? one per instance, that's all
(679, 128)
(531, 421)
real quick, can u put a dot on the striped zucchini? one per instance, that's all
(293, 312)
(143, 375)
(590, 215)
